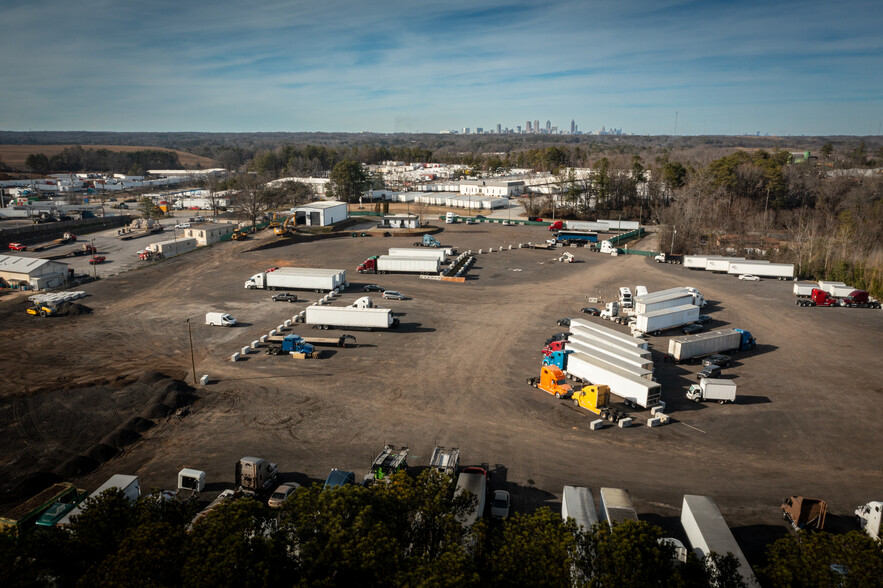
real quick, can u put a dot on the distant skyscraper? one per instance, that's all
(527, 127)
(572, 127)
(536, 126)
(466, 130)
(499, 128)
(479, 130)
(519, 129)
(548, 126)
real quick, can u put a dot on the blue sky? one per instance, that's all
(736, 67)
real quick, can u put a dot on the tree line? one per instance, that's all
(76, 159)
(402, 533)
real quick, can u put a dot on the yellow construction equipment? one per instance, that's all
(597, 399)
(42, 310)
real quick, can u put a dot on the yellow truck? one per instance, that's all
(553, 381)
(597, 399)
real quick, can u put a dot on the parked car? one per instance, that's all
(18, 247)
(285, 297)
(703, 318)
(282, 492)
(339, 478)
(182, 226)
(717, 359)
(710, 371)
(372, 288)
(564, 322)
(535, 219)
(393, 295)
(691, 328)
(590, 310)
(500, 504)
(749, 278)
(479, 217)
(97, 259)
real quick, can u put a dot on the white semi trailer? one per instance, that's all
(598, 350)
(614, 346)
(720, 264)
(668, 318)
(708, 532)
(647, 304)
(616, 506)
(584, 325)
(634, 391)
(439, 253)
(299, 278)
(394, 264)
(702, 344)
(781, 271)
(128, 485)
(577, 503)
(835, 289)
(804, 289)
(347, 317)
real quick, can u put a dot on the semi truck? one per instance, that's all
(577, 503)
(855, 299)
(568, 237)
(552, 380)
(445, 460)
(616, 506)
(596, 399)
(699, 345)
(293, 345)
(868, 517)
(383, 264)
(344, 317)
(707, 532)
(128, 485)
(571, 225)
(255, 475)
(298, 278)
(634, 391)
(389, 461)
(439, 254)
(714, 389)
(781, 271)
(668, 318)
(190, 483)
(804, 513)
(664, 257)
(430, 241)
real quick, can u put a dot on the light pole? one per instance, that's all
(192, 360)
(94, 265)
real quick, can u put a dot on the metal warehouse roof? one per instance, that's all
(23, 265)
(323, 204)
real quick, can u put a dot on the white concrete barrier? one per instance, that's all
(664, 419)
(625, 423)
(287, 323)
(654, 422)
(656, 410)
(245, 350)
(280, 328)
(254, 344)
(263, 339)
(234, 357)
(479, 252)
(273, 332)
(204, 380)
(596, 425)
(662, 404)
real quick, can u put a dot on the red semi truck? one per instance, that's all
(855, 299)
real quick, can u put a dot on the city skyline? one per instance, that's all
(667, 67)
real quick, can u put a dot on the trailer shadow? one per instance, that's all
(754, 539)
(747, 399)
(413, 328)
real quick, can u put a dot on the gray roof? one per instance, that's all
(320, 205)
(23, 265)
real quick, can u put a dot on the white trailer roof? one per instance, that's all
(308, 271)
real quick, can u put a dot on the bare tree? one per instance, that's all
(254, 197)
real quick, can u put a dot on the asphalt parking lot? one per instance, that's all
(806, 421)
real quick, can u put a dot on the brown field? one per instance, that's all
(15, 155)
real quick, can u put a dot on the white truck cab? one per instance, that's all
(219, 319)
(625, 297)
(868, 517)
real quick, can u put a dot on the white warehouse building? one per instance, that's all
(320, 214)
(32, 272)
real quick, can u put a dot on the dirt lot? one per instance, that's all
(15, 155)
(807, 420)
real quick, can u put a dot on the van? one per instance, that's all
(625, 297)
(219, 319)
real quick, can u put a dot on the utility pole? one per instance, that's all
(94, 265)
(192, 360)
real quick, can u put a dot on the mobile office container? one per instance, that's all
(782, 271)
(668, 318)
(702, 344)
(173, 247)
(614, 345)
(609, 333)
(646, 304)
(595, 349)
(616, 506)
(129, 486)
(298, 278)
(633, 390)
(438, 253)
(347, 317)
(708, 532)
(720, 264)
(577, 503)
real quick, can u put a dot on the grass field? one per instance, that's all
(14, 156)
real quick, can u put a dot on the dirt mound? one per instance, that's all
(101, 452)
(151, 377)
(28, 486)
(138, 425)
(120, 438)
(73, 309)
(76, 466)
(158, 411)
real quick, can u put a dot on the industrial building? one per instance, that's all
(32, 273)
(401, 221)
(320, 214)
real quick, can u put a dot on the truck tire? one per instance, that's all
(697, 400)
(42, 312)
(575, 402)
(722, 401)
(557, 394)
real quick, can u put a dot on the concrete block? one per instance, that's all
(654, 422)
(245, 350)
(664, 419)
(596, 425)
(480, 252)
(287, 323)
(280, 328)
(234, 357)
(490, 250)
(263, 339)
(510, 247)
(273, 332)
(662, 404)
(625, 423)
(254, 344)
(204, 380)
(656, 410)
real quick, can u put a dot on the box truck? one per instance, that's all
(616, 506)
(781, 271)
(701, 344)
(393, 264)
(347, 317)
(708, 532)
(299, 278)
(668, 318)
(577, 503)
(713, 389)
(634, 391)
(128, 485)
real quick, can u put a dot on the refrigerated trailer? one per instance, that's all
(395, 264)
(804, 289)
(589, 326)
(646, 304)
(668, 318)
(616, 506)
(347, 317)
(702, 344)
(708, 532)
(298, 278)
(634, 391)
(430, 252)
(596, 349)
(577, 503)
(781, 271)
(613, 345)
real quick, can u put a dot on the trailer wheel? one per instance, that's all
(722, 402)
